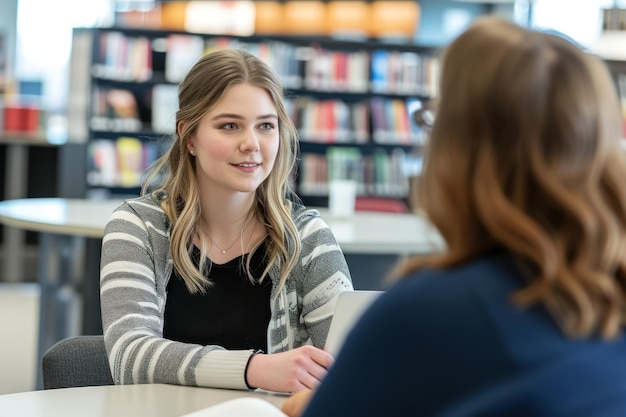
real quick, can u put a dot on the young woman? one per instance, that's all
(523, 313)
(219, 262)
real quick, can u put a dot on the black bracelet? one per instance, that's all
(245, 372)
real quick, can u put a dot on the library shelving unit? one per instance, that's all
(350, 100)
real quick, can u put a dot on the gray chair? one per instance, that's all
(78, 361)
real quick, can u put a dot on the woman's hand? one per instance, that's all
(294, 406)
(290, 371)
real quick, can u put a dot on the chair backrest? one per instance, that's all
(78, 361)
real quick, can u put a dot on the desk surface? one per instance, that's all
(365, 232)
(150, 400)
(58, 215)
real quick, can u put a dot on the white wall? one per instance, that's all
(43, 44)
(19, 318)
(8, 27)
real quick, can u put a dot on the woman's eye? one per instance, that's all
(267, 126)
(229, 126)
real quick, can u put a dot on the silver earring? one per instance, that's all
(192, 152)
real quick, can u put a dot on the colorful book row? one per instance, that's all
(125, 58)
(378, 120)
(379, 174)
(122, 110)
(120, 162)
(322, 121)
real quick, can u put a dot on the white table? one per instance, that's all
(149, 400)
(69, 274)
(383, 233)
(77, 217)
(365, 232)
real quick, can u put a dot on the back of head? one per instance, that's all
(525, 155)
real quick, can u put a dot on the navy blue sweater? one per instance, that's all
(450, 343)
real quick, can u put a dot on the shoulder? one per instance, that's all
(307, 220)
(454, 295)
(144, 206)
(487, 269)
(312, 228)
(302, 215)
(142, 211)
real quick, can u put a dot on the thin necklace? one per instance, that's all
(240, 238)
(223, 250)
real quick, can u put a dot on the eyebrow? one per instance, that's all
(239, 117)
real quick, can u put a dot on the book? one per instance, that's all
(115, 109)
(401, 125)
(358, 72)
(242, 406)
(102, 163)
(182, 53)
(380, 71)
(129, 161)
(164, 108)
(379, 122)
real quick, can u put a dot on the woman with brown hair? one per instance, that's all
(523, 313)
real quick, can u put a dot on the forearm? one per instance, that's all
(290, 371)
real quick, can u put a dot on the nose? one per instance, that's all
(249, 142)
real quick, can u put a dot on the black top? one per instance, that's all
(233, 313)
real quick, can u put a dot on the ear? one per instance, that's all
(179, 130)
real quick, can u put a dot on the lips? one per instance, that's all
(247, 164)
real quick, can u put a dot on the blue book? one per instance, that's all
(380, 71)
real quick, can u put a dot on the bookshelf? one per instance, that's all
(349, 99)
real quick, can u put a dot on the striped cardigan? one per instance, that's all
(136, 266)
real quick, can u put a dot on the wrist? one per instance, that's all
(245, 377)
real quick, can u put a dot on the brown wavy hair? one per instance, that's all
(203, 87)
(525, 155)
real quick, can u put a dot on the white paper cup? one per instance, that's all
(341, 198)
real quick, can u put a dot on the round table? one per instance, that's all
(70, 233)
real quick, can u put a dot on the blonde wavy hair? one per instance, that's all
(525, 155)
(203, 87)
